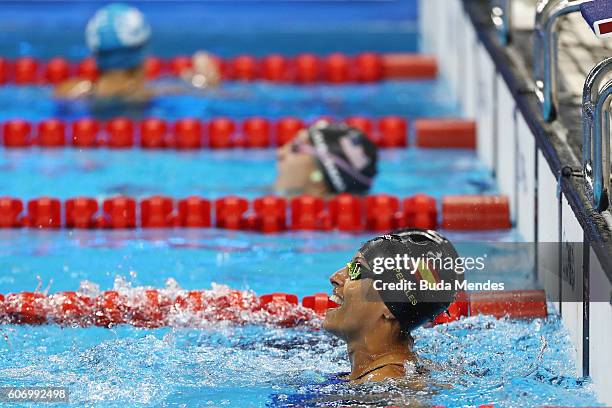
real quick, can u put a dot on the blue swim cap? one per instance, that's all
(116, 35)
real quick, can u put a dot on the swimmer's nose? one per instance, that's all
(281, 152)
(339, 277)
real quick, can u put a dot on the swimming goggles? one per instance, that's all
(354, 270)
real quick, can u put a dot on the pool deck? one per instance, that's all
(560, 141)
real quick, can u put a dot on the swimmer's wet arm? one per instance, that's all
(205, 71)
(73, 88)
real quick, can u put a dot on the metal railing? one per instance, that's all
(501, 15)
(548, 13)
(596, 134)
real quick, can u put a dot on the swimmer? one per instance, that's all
(377, 324)
(326, 159)
(117, 36)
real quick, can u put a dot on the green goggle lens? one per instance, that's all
(354, 270)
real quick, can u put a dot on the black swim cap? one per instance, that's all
(431, 257)
(345, 155)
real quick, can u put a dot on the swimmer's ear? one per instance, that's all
(387, 315)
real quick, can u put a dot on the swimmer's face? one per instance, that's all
(295, 165)
(360, 307)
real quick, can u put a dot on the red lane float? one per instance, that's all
(307, 68)
(153, 133)
(25, 70)
(421, 211)
(456, 310)
(120, 133)
(44, 212)
(70, 308)
(16, 133)
(157, 308)
(187, 134)
(85, 133)
(307, 213)
(275, 68)
(520, 304)
(393, 132)
(287, 128)
(256, 132)
(413, 66)
(179, 65)
(156, 212)
(80, 212)
(369, 67)
(87, 69)
(194, 212)
(51, 133)
(221, 133)
(337, 68)
(25, 308)
(445, 133)
(319, 302)
(382, 213)
(230, 212)
(270, 214)
(10, 212)
(475, 213)
(56, 70)
(244, 68)
(346, 212)
(4, 71)
(119, 213)
(153, 67)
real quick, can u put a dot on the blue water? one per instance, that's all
(474, 361)
(298, 262)
(257, 27)
(411, 99)
(102, 173)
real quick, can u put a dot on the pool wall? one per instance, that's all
(546, 207)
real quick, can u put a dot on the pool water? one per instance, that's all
(411, 99)
(101, 173)
(475, 361)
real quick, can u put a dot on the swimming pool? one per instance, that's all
(475, 361)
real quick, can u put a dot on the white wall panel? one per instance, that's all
(525, 180)
(571, 282)
(485, 105)
(600, 330)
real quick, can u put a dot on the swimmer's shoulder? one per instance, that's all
(382, 374)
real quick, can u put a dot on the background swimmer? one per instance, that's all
(117, 36)
(327, 159)
(376, 325)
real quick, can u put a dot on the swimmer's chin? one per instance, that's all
(328, 322)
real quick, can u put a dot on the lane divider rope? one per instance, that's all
(268, 214)
(336, 68)
(164, 307)
(225, 133)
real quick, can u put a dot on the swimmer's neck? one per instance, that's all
(368, 356)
